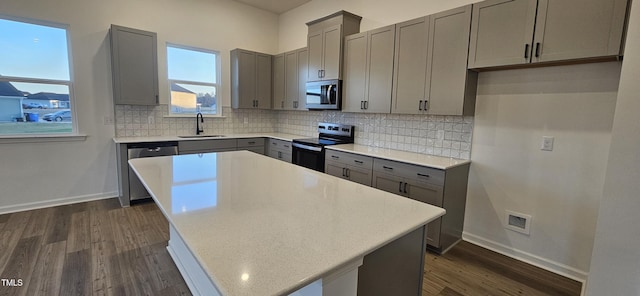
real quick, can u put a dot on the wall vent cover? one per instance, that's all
(517, 222)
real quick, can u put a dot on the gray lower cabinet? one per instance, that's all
(206, 146)
(250, 79)
(519, 32)
(134, 66)
(353, 167)
(252, 144)
(445, 189)
(368, 70)
(279, 149)
(430, 65)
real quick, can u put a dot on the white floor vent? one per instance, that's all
(517, 222)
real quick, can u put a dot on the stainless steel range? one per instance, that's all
(309, 152)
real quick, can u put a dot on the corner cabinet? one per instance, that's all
(519, 32)
(134, 66)
(250, 80)
(430, 65)
(368, 71)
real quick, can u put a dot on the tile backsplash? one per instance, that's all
(448, 136)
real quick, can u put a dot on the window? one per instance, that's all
(193, 80)
(35, 80)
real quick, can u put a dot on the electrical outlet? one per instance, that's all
(547, 144)
(246, 120)
(151, 120)
(108, 120)
(517, 222)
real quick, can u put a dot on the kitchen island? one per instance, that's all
(245, 224)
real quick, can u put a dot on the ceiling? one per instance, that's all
(275, 6)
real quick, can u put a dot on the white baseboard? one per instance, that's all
(546, 264)
(56, 202)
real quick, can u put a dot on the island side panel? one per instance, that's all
(396, 268)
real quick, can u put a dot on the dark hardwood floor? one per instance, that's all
(99, 248)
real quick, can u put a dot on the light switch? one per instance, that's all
(547, 143)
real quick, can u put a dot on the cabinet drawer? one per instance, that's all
(251, 142)
(350, 159)
(284, 156)
(279, 145)
(204, 145)
(409, 171)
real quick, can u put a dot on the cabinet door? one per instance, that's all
(355, 67)
(410, 66)
(388, 183)
(379, 77)
(332, 53)
(278, 81)
(134, 66)
(572, 29)
(243, 85)
(502, 32)
(359, 176)
(314, 43)
(432, 195)
(290, 79)
(447, 61)
(336, 170)
(263, 81)
(303, 56)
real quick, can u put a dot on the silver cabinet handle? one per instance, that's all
(361, 105)
(358, 161)
(343, 173)
(348, 175)
(387, 168)
(420, 106)
(426, 105)
(405, 188)
(400, 187)
(423, 175)
(366, 105)
(319, 75)
(335, 157)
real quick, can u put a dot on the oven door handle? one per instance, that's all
(307, 147)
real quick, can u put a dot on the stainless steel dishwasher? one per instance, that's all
(140, 150)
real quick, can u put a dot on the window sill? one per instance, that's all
(7, 139)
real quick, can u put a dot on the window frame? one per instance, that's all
(216, 84)
(70, 83)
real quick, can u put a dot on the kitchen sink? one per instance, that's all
(202, 136)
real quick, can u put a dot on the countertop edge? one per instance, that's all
(458, 162)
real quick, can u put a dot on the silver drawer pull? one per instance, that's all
(387, 168)
(358, 161)
(423, 175)
(335, 157)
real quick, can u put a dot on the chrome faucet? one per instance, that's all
(199, 129)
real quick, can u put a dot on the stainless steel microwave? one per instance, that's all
(324, 95)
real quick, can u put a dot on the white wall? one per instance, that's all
(375, 14)
(560, 189)
(39, 174)
(615, 264)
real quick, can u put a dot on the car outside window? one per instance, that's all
(193, 76)
(35, 78)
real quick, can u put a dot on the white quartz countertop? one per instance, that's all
(280, 136)
(437, 162)
(258, 232)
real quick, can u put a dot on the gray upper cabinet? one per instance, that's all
(278, 82)
(325, 53)
(368, 70)
(324, 43)
(430, 65)
(303, 72)
(134, 66)
(518, 32)
(250, 79)
(289, 80)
